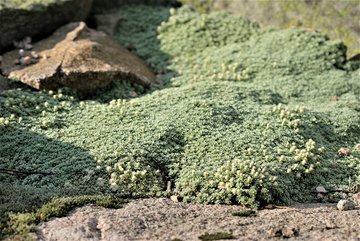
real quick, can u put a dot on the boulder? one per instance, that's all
(18, 22)
(78, 57)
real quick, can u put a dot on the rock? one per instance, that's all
(356, 198)
(108, 23)
(175, 198)
(80, 58)
(284, 231)
(344, 151)
(321, 189)
(38, 19)
(3, 83)
(344, 205)
(288, 231)
(320, 196)
(133, 94)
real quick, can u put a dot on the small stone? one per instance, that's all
(344, 205)
(356, 198)
(288, 231)
(329, 224)
(321, 189)
(284, 231)
(344, 151)
(320, 196)
(34, 55)
(25, 60)
(21, 52)
(269, 206)
(176, 198)
(133, 94)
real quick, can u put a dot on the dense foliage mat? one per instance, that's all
(245, 116)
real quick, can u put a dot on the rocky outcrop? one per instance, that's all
(80, 58)
(17, 23)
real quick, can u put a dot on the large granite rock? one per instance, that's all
(17, 23)
(80, 58)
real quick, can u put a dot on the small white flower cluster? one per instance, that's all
(288, 118)
(129, 176)
(305, 160)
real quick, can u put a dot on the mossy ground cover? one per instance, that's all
(335, 18)
(246, 116)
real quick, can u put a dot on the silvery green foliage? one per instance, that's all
(247, 116)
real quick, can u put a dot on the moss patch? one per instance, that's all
(331, 17)
(245, 213)
(216, 236)
(23, 223)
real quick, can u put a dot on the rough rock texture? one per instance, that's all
(3, 83)
(24, 22)
(345, 205)
(80, 58)
(163, 219)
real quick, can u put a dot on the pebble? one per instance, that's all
(284, 231)
(321, 189)
(175, 198)
(320, 196)
(34, 55)
(21, 52)
(345, 205)
(25, 60)
(344, 151)
(133, 94)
